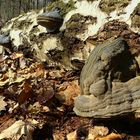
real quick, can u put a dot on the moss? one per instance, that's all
(65, 7)
(135, 17)
(32, 33)
(87, 0)
(90, 0)
(21, 24)
(78, 24)
(110, 5)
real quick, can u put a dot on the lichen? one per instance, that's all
(135, 17)
(109, 6)
(65, 7)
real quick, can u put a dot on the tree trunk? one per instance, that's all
(12, 8)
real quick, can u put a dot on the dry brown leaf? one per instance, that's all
(11, 77)
(18, 80)
(15, 131)
(111, 136)
(7, 77)
(68, 91)
(55, 74)
(26, 93)
(57, 135)
(3, 104)
(93, 132)
(2, 83)
(16, 55)
(97, 131)
(6, 122)
(71, 136)
(39, 70)
(22, 62)
(3, 58)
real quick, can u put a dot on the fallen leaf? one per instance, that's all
(68, 91)
(3, 104)
(15, 131)
(2, 83)
(55, 74)
(26, 93)
(111, 136)
(18, 80)
(39, 70)
(98, 131)
(72, 136)
(6, 122)
(57, 135)
(92, 133)
(22, 62)
(3, 58)
(11, 75)
(16, 55)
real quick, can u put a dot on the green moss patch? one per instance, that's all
(110, 5)
(65, 7)
(75, 26)
(78, 24)
(21, 24)
(88, 0)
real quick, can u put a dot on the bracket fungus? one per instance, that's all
(52, 20)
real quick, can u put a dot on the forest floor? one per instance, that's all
(37, 99)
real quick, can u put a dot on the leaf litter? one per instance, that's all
(36, 101)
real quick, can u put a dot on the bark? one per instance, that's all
(12, 8)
